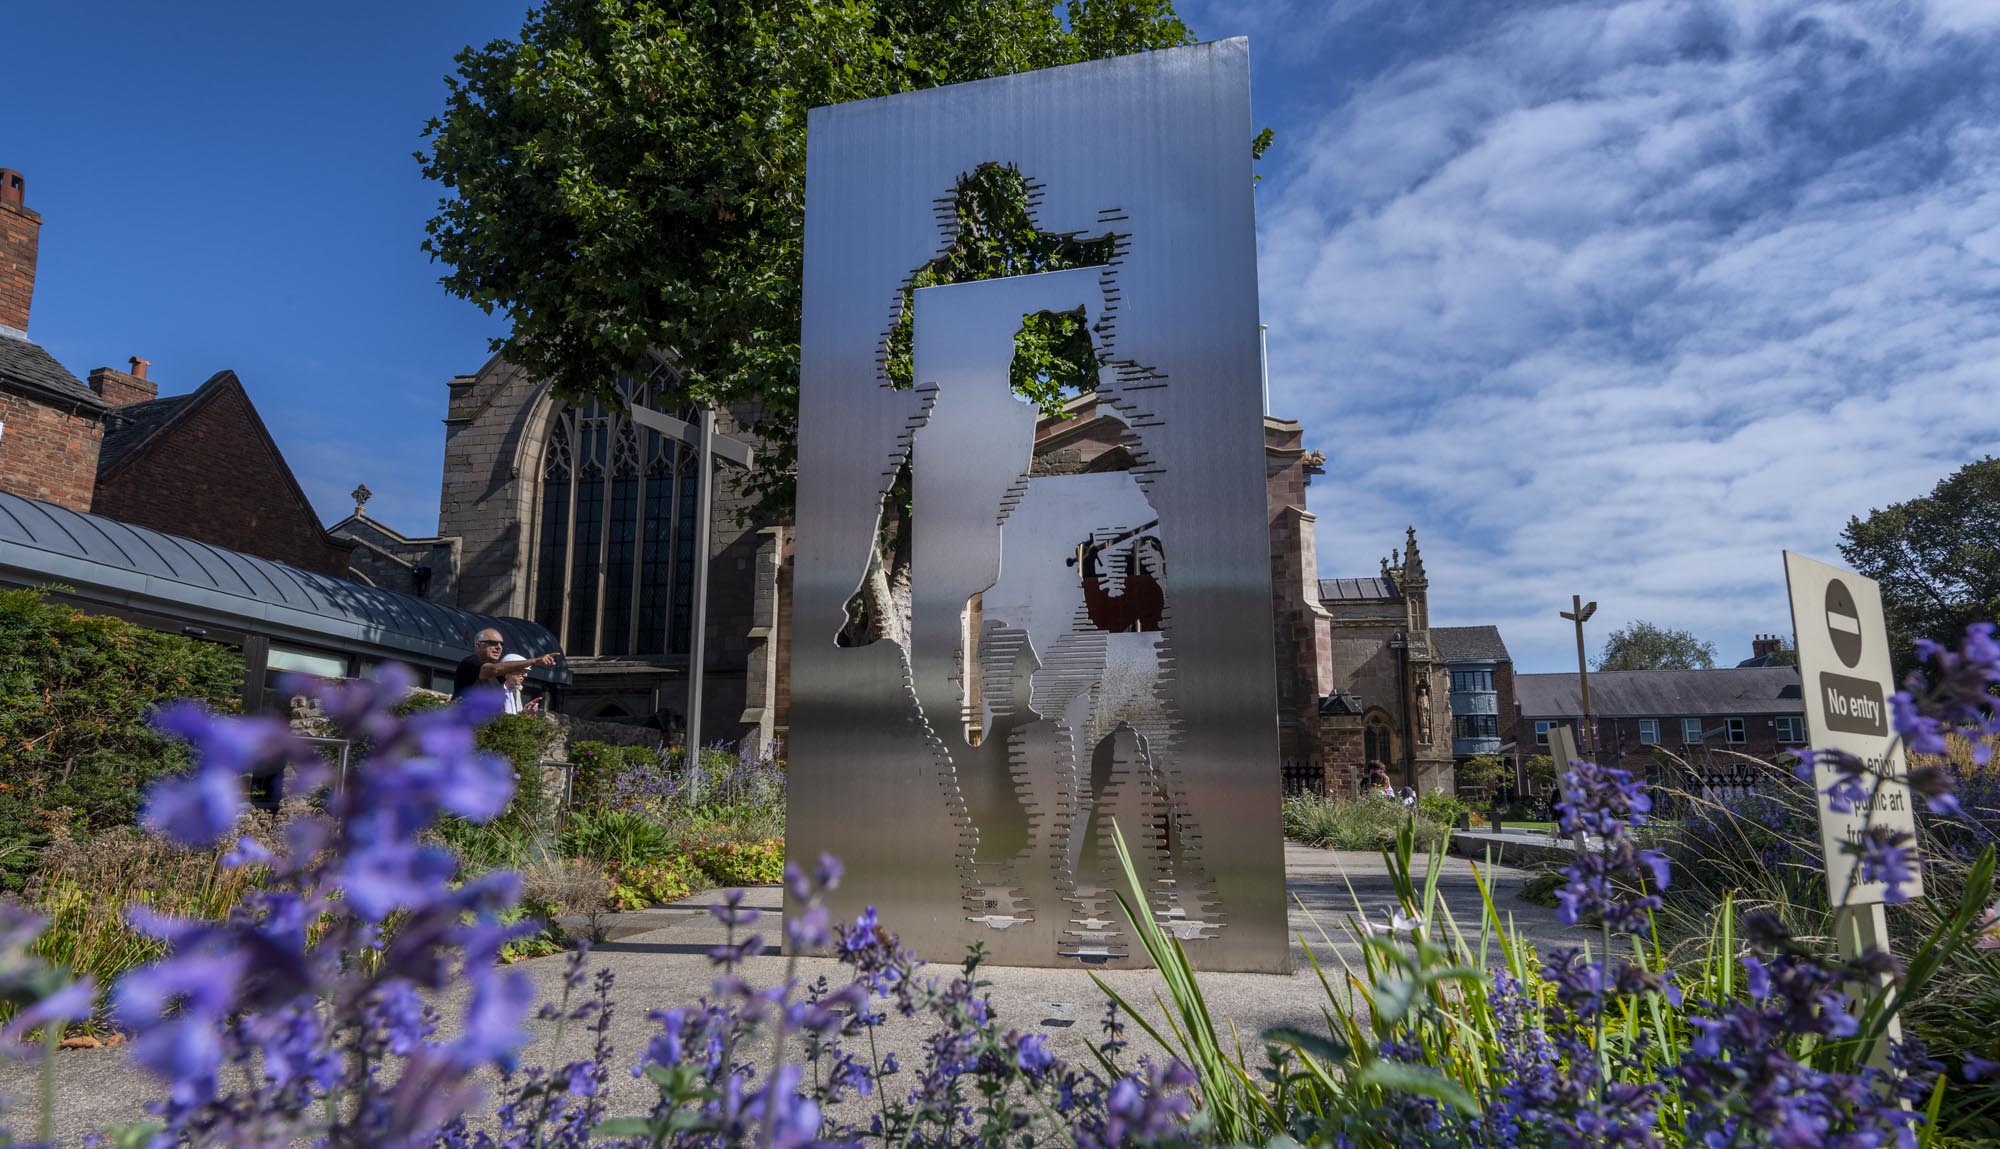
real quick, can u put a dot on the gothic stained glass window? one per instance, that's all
(614, 562)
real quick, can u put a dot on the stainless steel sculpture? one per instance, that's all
(1082, 648)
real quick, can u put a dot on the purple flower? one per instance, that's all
(493, 1024)
(1888, 856)
(195, 810)
(1031, 1053)
(73, 1002)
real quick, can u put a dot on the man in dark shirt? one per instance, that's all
(483, 667)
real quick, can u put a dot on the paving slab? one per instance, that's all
(658, 958)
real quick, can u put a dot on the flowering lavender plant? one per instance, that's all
(315, 989)
(976, 1085)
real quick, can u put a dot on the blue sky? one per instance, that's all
(1615, 299)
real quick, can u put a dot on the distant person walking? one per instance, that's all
(488, 664)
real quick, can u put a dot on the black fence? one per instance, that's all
(1675, 788)
(1303, 778)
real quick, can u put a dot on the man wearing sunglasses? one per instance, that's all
(488, 666)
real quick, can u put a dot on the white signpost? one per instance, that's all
(1844, 670)
(1562, 748)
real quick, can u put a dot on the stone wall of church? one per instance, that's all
(1304, 669)
(482, 500)
(494, 439)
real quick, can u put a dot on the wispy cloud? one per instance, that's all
(1621, 299)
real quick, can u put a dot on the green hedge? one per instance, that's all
(75, 690)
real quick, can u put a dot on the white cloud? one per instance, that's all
(1621, 299)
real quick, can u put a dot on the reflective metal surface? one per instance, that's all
(1082, 648)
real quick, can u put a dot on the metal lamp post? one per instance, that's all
(708, 446)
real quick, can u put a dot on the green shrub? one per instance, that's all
(1369, 822)
(420, 701)
(524, 740)
(653, 883)
(743, 863)
(75, 690)
(618, 838)
(1442, 808)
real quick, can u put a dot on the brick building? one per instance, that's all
(1701, 716)
(201, 466)
(50, 422)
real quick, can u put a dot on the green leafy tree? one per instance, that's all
(630, 175)
(1539, 772)
(1485, 774)
(1937, 558)
(1641, 645)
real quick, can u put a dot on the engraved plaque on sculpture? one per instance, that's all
(995, 658)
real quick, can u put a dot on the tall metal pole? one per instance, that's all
(697, 642)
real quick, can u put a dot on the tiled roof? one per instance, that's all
(1358, 589)
(1469, 642)
(127, 428)
(27, 367)
(1664, 693)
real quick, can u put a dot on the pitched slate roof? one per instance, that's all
(1358, 589)
(128, 428)
(27, 367)
(1453, 643)
(1664, 693)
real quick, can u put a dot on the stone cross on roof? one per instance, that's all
(360, 495)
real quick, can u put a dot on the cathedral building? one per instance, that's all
(574, 518)
(1361, 680)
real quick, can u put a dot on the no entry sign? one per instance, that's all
(1844, 669)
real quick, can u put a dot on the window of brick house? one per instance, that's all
(1649, 732)
(1542, 733)
(614, 537)
(1791, 729)
(1739, 732)
(1691, 730)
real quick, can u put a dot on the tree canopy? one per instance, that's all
(630, 174)
(1937, 558)
(1641, 645)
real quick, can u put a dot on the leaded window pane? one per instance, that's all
(614, 561)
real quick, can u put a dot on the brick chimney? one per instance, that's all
(124, 388)
(1764, 644)
(20, 243)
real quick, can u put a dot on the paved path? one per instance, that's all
(658, 958)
